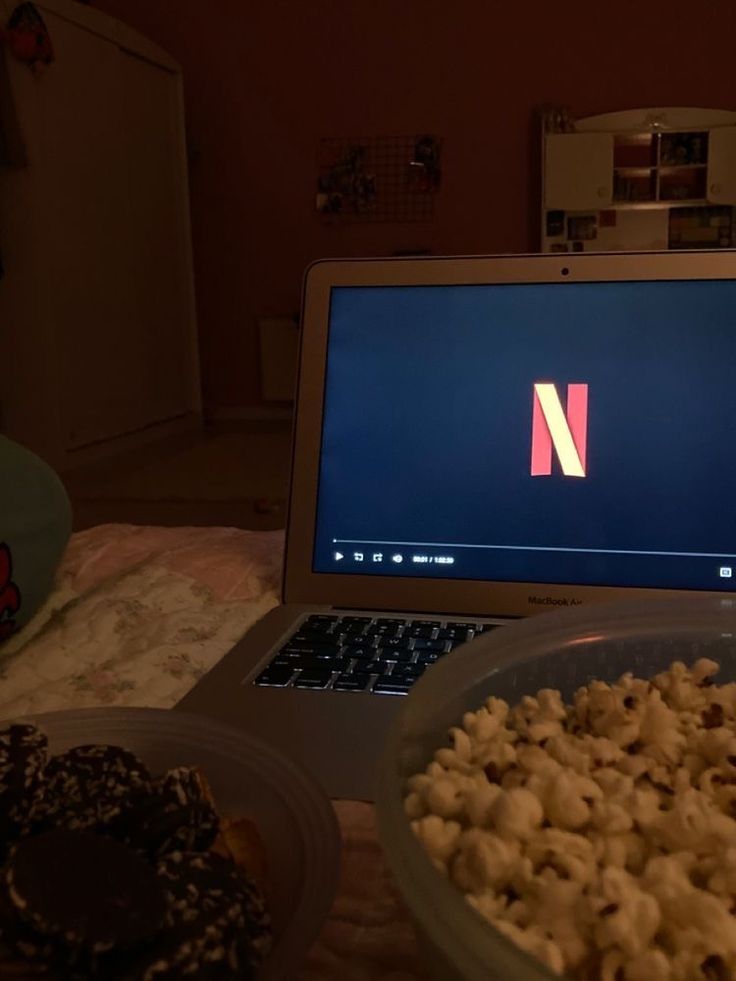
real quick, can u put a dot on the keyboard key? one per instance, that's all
(316, 650)
(424, 631)
(351, 682)
(396, 643)
(322, 618)
(344, 621)
(363, 652)
(429, 657)
(312, 679)
(314, 637)
(308, 663)
(363, 676)
(391, 621)
(483, 628)
(388, 687)
(426, 623)
(276, 677)
(388, 630)
(457, 634)
(429, 645)
(407, 671)
(392, 654)
(351, 631)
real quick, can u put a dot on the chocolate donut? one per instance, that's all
(23, 754)
(173, 813)
(87, 892)
(87, 787)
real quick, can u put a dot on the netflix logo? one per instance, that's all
(565, 430)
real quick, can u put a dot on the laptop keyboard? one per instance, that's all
(383, 655)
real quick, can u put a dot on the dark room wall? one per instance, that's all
(264, 82)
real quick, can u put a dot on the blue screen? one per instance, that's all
(426, 458)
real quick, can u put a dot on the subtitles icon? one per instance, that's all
(725, 572)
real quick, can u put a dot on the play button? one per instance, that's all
(338, 556)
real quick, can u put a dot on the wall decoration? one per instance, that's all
(28, 38)
(701, 228)
(582, 227)
(389, 178)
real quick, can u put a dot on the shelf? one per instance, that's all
(660, 177)
(634, 137)
(662, 204)
(674, 168)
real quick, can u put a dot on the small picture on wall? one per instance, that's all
(558, 247)
(555, 223)
(582, 228)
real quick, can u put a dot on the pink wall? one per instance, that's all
(264, 81)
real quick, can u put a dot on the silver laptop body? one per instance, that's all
(476, 440)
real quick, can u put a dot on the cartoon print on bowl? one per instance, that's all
(9, 593)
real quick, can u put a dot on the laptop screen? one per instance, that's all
(580, 433)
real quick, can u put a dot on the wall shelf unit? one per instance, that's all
(642, 179)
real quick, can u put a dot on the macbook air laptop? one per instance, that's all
(477, 440)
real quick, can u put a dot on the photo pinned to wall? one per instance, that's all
(701, 227)
(392, 178)
(582, 228)
(555, 223)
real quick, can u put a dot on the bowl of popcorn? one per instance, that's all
(558, 798)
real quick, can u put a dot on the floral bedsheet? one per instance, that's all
(138, 614)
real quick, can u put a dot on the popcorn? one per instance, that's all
(600, 837)
(484, 860)
(517, 813)
(628, 917)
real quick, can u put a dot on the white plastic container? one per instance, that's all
(248, 778)
(561, 650)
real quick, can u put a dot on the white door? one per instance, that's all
(721, 181)
(578, 171)
(82, 174)
(108, 170)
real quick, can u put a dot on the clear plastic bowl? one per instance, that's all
(248, 778)
(564, 650)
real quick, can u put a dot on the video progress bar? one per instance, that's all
(541, 548)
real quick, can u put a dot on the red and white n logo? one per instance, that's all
(567, 430)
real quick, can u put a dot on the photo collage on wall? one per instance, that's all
(694, 227)
(378, 178)
(577, 229)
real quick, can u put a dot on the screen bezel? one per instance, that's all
(492, 598)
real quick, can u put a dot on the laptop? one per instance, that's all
(477, 440)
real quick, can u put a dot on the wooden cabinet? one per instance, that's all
(675, 167)
(578, 171)
(97, 299)
(721, 177)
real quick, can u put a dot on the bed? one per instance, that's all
(137, 615)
